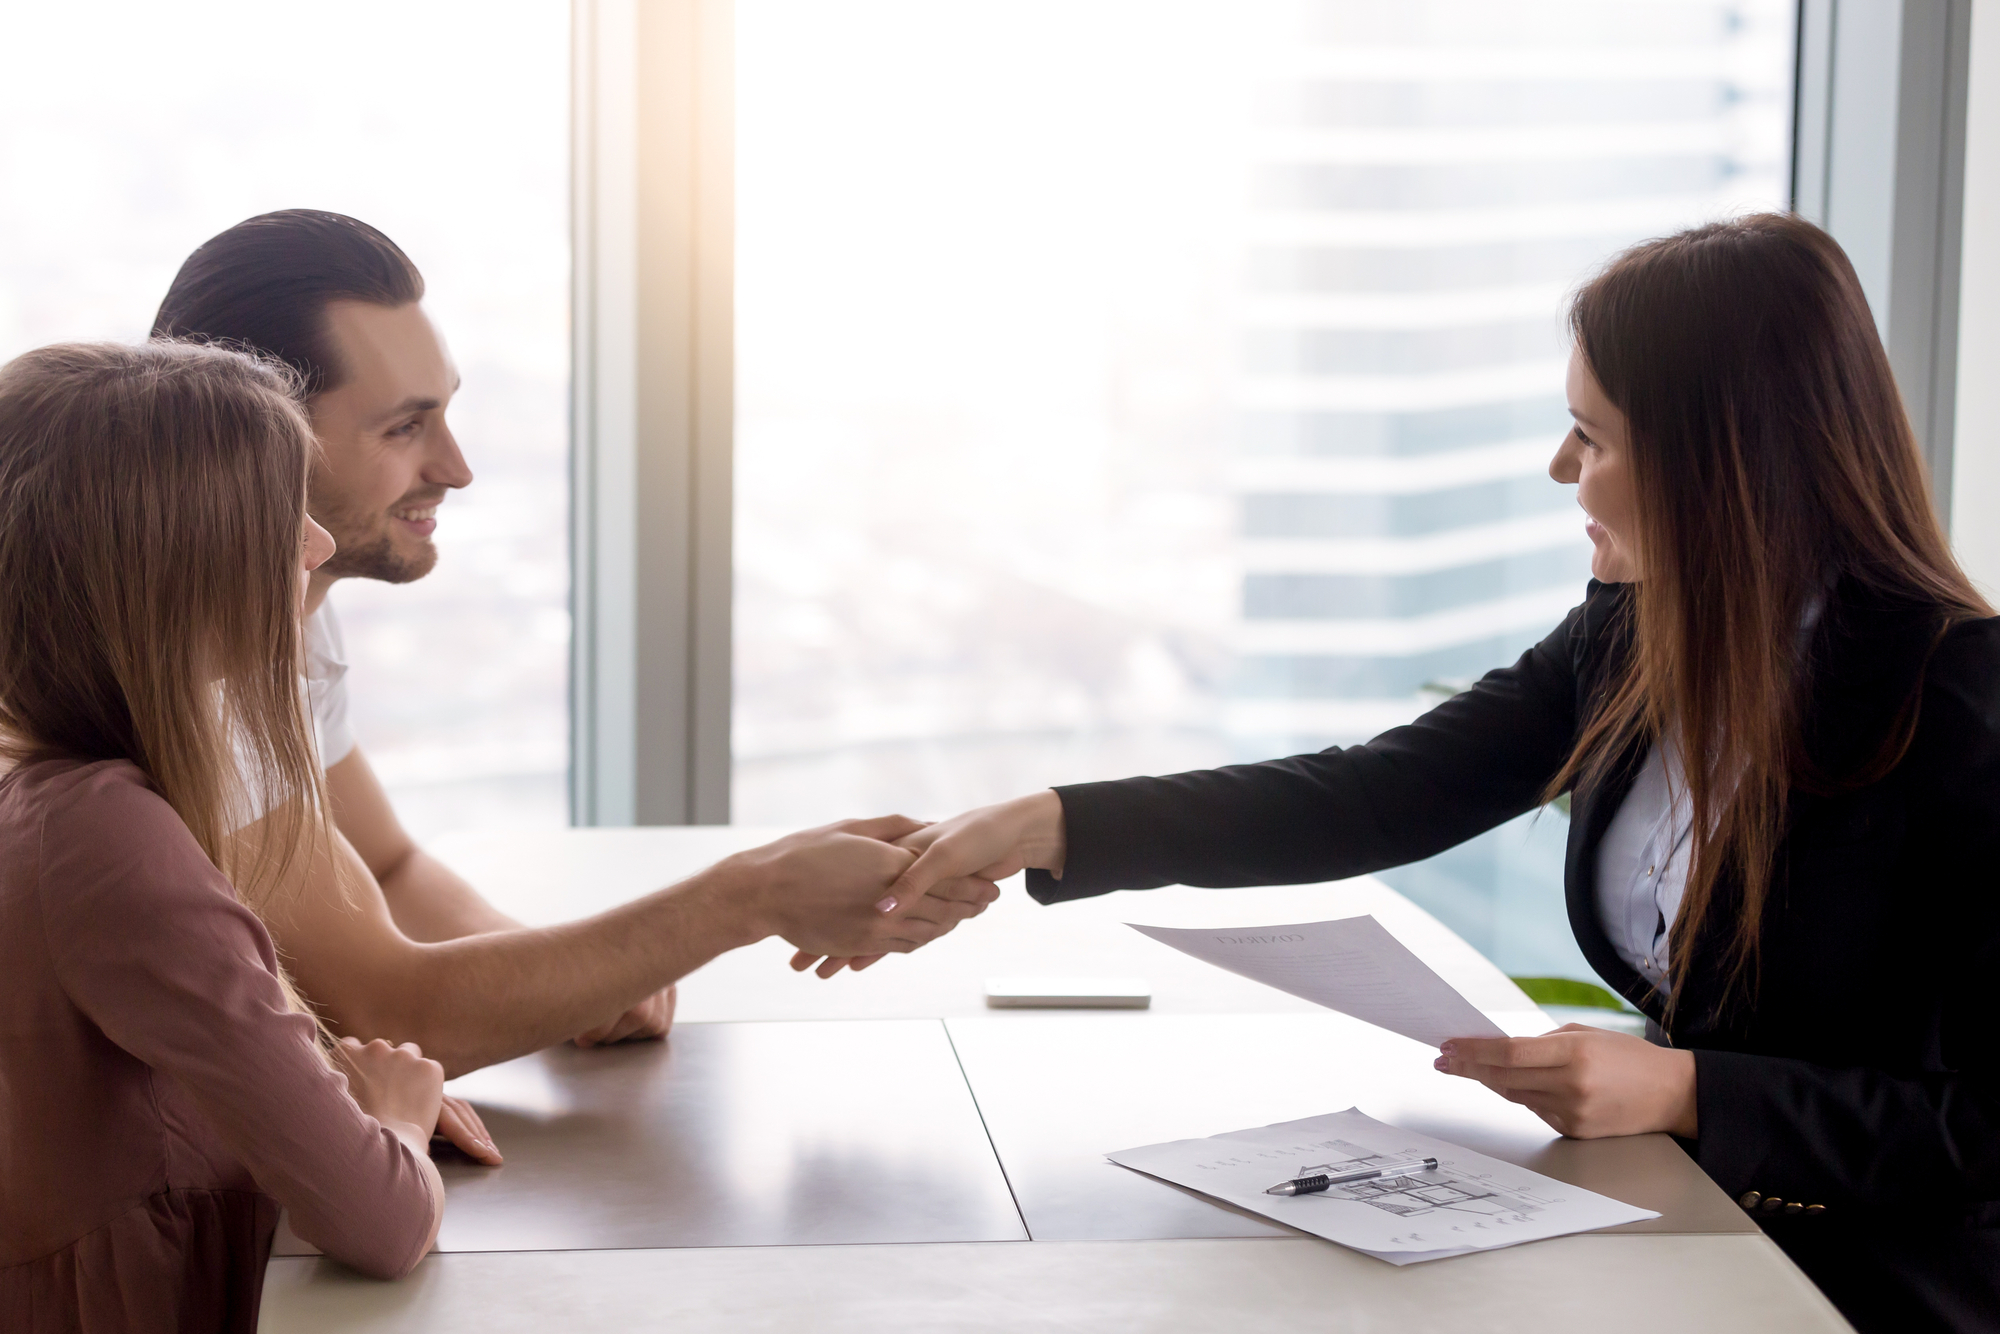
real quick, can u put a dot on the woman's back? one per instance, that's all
(156, 1091)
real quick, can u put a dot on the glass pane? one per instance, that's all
(443, 123)
(1130, 385)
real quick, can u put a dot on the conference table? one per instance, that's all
(882, 1152)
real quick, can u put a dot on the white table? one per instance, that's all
(1128, 1255)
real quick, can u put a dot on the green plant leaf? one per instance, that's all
(1567, 991)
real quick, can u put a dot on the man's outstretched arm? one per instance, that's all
(475, 1000)
(430, 902)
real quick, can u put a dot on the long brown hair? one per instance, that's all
(1771, 456)
(151, 518)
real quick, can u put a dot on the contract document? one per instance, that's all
(1352, 965)
(1468, 1202)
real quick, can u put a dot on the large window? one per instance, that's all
(131, 131)
(1133, 385)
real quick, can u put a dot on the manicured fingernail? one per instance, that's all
(1447, 1048)
(887, 905)
(1441, 1063)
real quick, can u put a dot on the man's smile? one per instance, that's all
(421, 518)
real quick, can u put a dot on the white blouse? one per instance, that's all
(1642, 864)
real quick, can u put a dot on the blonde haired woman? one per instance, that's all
(161, 1092)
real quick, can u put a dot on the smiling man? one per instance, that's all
(386, 940)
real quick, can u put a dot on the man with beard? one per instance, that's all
(384, 939)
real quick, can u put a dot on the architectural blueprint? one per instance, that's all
(1469, 1202)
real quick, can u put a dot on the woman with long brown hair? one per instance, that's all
(162, 1092)
(1778, 712)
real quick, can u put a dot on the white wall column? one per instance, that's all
(1879, 162)
(652, 225)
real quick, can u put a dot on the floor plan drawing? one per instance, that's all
(1468, 1202)
(1415, 1194)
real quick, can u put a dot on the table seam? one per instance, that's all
(985, 1129)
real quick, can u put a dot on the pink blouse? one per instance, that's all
(158, 1100)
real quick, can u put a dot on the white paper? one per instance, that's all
(1352, 965)
(1468, 1203)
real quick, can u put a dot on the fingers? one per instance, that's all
(966, 889)
(650, 1018)
(596, 1037)
(1508, 1080)
(460, 1124)
(886, 828)
(933, 866)
(805, 959)
(1547, 1050)
(627, 1025)
(921, 838)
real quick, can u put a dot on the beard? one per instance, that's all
(363, 550)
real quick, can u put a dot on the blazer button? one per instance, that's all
(1795, 1208)
(1815, 1208)
(1772, 1204)
(1750, 1199)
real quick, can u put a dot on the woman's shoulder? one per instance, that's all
(100, 826)
(1970, 645)
(78, 794)
(1962, 677)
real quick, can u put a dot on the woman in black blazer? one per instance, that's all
(1774, 595)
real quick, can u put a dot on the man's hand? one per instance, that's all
(827, 890)
(948, 903)
(650, 1018)
(1586, 1082)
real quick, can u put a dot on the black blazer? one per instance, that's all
(1865, 1077)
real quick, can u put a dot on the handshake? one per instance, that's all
(846, 894)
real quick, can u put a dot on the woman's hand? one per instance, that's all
(992, 843)
(396, 1084)
(460, 1124)
(1586, 1082)
(404, 1090)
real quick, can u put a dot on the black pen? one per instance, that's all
(1308, 1185)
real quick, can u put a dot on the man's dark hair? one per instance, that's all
(265, 283)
